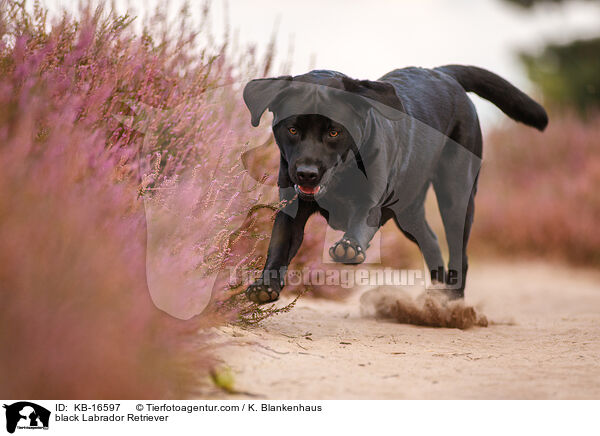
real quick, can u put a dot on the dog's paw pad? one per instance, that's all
(347, 251)
(260, 293)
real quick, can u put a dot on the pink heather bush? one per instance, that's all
(538, 192)
(96, 125)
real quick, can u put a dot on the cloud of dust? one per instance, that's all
(430, 308)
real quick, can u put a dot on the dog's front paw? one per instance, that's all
(347, 251)
(262, 293)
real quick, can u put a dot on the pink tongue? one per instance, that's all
(309, 190)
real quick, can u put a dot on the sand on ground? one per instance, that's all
(543, 342)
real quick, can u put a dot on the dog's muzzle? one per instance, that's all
(307, 192)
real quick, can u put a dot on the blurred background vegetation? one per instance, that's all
(567, 74)
(538, 194)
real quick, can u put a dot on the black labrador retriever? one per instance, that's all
(362, 152)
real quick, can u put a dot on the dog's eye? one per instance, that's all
(333, 133)
(293, 130)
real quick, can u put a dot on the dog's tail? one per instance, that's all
(494, 88)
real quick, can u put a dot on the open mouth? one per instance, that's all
(307, 191)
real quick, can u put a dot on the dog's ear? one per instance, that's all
(283, 179)
(382, 95)
(259, 93)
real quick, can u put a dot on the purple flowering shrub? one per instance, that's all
(98, 125)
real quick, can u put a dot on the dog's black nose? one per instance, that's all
(307, 174)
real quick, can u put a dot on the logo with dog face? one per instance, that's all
(26, 415)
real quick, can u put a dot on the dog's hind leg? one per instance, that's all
(455, 186)
(415, 227)
(457, 223)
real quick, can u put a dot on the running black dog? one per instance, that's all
(362, 152)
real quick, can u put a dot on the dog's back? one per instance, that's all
(423, 89)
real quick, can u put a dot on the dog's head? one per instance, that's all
(319, 120)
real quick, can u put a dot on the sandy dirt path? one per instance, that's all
(543, 343)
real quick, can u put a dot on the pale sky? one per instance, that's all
(366, 39)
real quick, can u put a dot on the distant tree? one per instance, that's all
(567, 74)
(530, 3)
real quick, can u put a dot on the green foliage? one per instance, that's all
(569, 74)
(223, 378)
